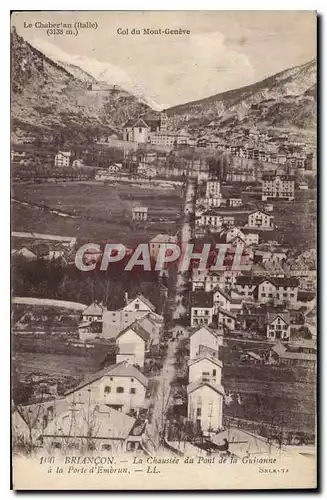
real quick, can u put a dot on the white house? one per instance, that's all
(213, 194)
(140, 213)
(251, 239)
(62, 159)
(221, 299)
(265, 289)
(140, 303)
(206, 368)
(91, 427)
(136, 131)
(260, 220)
(210, 218)
(93, 312)
(231, 233)
(205, 405)
(278, 326)
(235, 202)
(204, 336)
(120, 386)
(114, 168)
(277, 187)
(133, 340)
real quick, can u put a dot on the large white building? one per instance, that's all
(204, 336)
(260, 220)
(120, 386)
(278, 187)
(62, 159)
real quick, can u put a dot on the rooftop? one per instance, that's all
(119, 370)
(202, 299)
(138, 329)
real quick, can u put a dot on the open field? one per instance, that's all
(266, 392)
(94, 211)
(295, 221)
(54, 364)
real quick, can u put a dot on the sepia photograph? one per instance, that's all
(163, 250)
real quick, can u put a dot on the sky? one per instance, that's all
(224, 50)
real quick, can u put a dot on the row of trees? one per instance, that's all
(56, 280)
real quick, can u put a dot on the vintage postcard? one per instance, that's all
(163, 245)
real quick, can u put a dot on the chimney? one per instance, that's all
(126, 298)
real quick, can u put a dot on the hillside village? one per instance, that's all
(192, 362)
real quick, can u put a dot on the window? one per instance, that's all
(132, 390)
(137, 306)
(132, 380)
(198, 412)
(206, 313)
(106, 447)
(120, 390)
(107, 389)
(140, 130)
(214, 373)
(285, 327)
(195, 312)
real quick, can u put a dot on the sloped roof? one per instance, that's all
(213, 359)
(109, 423)
(121, 369)
(140, 209)
(261, 211)
(227, 313)
(198, 328)
(93, 309)
(253, 355)
(33, 414)
(199, 383)
(140, 123)
(146, 301)
(285, 316)
(138, 329)
(163, 238)
(222, 292)
(202, 299)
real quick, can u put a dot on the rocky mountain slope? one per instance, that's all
(55, 103)
(285, 100)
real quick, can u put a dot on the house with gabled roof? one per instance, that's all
(204, 336)
(205, 405)
(93, 312)
(134, 339)
(221, 299)
(202, 308)
(139, 303)
(98, 426)
(136, 131)
(205, 367)
(258, 219)
(284, 354)
(278, 325)
(121, 386)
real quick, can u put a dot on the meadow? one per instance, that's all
(94, 211)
